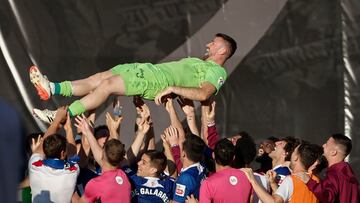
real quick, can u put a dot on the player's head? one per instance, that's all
(101, 134)
(193, 148)
(245, 151)
(222, 45)
(284, 148)
(305, 155)
(338, 145)
(152, 164)
(224, 152)
(54, 147)
(114, 152)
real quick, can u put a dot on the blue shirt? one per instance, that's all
(150, 189)
(281, 173)
(189, 182)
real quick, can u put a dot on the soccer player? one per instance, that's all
(52, 176)
(112, 185)
(292, 189)
(227, 184)
(340, 183)
(192, 173)
(192, 78)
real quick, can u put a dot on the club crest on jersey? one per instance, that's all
(119, 180)
(180, 190)
(233, 180)
(221, 81)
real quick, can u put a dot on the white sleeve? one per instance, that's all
(34, 158)
(286, 189)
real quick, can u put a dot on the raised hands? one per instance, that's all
(143, 120)
(60, 114)
(187, 106)
(67, 125)
(163, 95)
(171, 136)
(36, 145)
(82, 123)
(113, 123)
(210, 113)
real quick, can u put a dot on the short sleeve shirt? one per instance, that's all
(189, 182)
(192, 72)
(227, 185)
(150, 189)
(49, 184)
(110, 186)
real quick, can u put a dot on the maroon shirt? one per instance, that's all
(340, 185)
(212, 138)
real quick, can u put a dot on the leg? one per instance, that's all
(85, 86)
(77, 88)
(112, 85)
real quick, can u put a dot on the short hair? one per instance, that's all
(194, 147)
(101, 131)
(291, 144)
(245, 151)
(272, 139)
(114, 151)
(231, 42)
(158, 160)
(53, 145)
(309, 153)
(224, 152)
(343, 141)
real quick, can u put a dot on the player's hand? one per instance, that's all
(172, 136)
(159, 97)
(191, 199)
(113, 123)
(271, 176)
(82, 123)
(61, 114)
(249, 174)
(36, 144)
(210, 113)
(187, 106)
(67, 126)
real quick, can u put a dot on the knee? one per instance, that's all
(113, 84)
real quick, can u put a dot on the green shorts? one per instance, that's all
(142, 79)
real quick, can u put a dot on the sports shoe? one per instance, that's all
(45, 115)
(40, 82)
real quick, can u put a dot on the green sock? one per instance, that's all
(76, 108)
(63, 88)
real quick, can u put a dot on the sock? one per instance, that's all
(63, 88)
(52, 88)
(76, 108)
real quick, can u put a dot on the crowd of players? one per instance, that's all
(90, 163)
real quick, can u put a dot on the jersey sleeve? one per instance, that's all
(216, 76)
(91, 193)
(34, 158)
(285, 189)
(184, 186)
